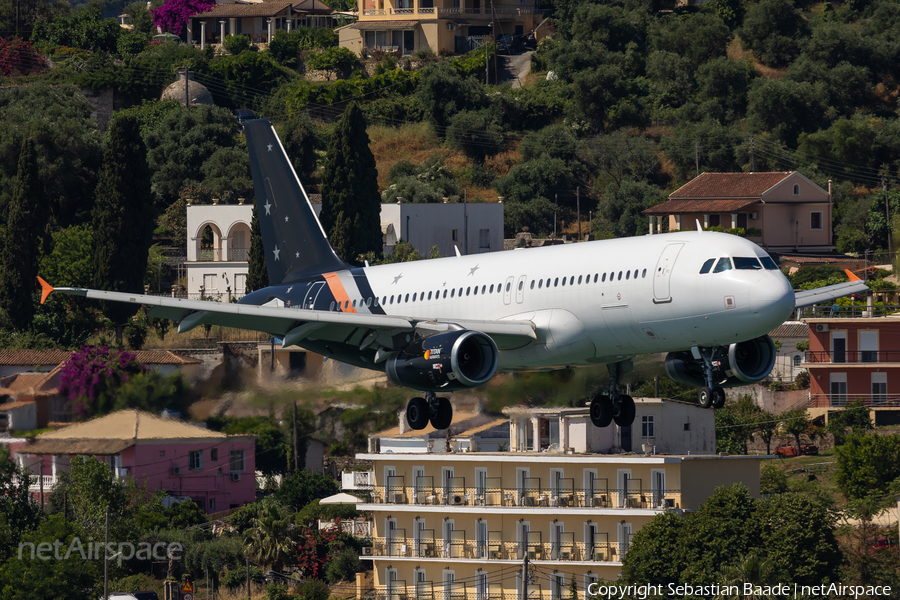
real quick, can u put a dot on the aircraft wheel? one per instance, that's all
(718, 397)
(601, 411)
(704, 397)
(444, 415)
(417, 413)
(626, 411)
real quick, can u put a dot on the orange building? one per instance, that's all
(855, 359)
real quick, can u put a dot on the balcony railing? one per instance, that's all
(425, 547)
(374, 11)
(842, 400)
(354, 527)
(210, 254)
(356, 480)
(239, 254)
(852, 357)
(34, 483)
(427, 590)
(564, 495)
(846, 312)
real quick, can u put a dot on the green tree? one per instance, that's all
(854, 419)
(655, 554)
(477, 133)
(72, 577)
(84, 29)
(257, 276)
(867, 464)
(769, 100)
(335, 61)
(269, 540)
(18, 513)
(304, 486)
(621, 208)
(774, 30)
(795, 422)
(301, 139)
(235, 44)
(274, 451)
(20, 255)
(70, 263)
(122, 219)
(351, 205)
(442, 92)
(752, 569)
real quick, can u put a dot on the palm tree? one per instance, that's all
(269, 540)
(749, 569)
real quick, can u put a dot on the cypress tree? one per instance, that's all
(351, 204)
(123, 219)
(257, 276)
(19, 258)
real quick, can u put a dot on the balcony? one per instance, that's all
(355, 527)
(846, 312)
(531, 494)
(842, 400)
(357, 480)
(459, 590)
(494, 548)
(843, 357)
(34, 483)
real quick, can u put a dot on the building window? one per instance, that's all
(687, 426)
(162, 453)
(815, 220)
(209, 283)
(195, 460)
(838, 383)
(212, 504)
(214, 454)
(796, 189)
(797, 360)
(647, 428)
(236, 461)
(715, 220)
(240, 284)
(454, 235)
(484, 238)
(879, 387)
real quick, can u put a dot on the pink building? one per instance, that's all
(781, 211)
(216, 470)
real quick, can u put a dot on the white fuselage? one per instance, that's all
(594, 302)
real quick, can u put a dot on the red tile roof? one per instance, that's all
(730, 185)
(680, 207)
(31, 358)
(260, 9)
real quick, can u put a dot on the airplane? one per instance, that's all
(707, 299)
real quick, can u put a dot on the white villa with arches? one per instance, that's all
(219, 238)
(217, 267)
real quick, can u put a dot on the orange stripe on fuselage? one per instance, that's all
(338, 291)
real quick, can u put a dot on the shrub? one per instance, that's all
(235, 578)
(342, 566)
(235, 44)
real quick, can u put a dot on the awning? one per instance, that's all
(382, 25)
(341, 498)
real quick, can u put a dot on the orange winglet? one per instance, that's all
(852, 275)
(46, 288)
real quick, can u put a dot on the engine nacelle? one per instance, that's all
(735, 365)
(445, 362)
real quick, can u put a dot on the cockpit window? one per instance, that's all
(724, 264)
(768, 263)
(707, 266)
(747, 263)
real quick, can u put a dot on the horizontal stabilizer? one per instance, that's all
(830, 292)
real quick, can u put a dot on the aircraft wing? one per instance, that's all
(830, 292)
(293, 324)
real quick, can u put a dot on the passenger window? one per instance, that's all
(747, 263)
(384, 301)
(707, 266)
(644, 274)
(540, 283)
(635, 273)
(612, 275)
(392, 299)
(475, 291)
(548, 282)
(564, 282)
(556, 282)
(492, 288)
(532, 284)
(620, 276)
(604, 277)
(445, 293)
(507, 287)
(354, 304)
(331, 307)
(627, 275)
(768, 263)
(484, 287)
(572, 280)
(406, 299)
(460, 292)
(452, 292)
(521, 283)
(579, 280)
(429, 295)
(595, 277)
(346, 304)
(468, 289)
(414, 297)
(724, 264)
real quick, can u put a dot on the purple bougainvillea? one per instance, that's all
(91, 373)
(174, 14)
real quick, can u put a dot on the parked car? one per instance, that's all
(786, 450)
(509, 44)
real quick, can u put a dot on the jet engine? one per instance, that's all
(445, 362)
(734, 365)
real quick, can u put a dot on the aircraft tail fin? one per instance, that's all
(294, 240)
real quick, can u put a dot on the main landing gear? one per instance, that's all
(420, 411)
(708, 395)
(611, 405)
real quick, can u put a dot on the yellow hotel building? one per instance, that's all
(458, 525)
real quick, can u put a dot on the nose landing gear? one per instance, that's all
(420, 411)
(709, 395)
(611, 405)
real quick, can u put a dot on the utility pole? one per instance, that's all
(555, 209)
(106, 559)
(42, 484)
(248, 579)
(487, 65)
(296, 443)
(697, 156)
(524, 595)
(752, 157)
(887, 215)
(187, 96)
(494, 39)
(578, 209)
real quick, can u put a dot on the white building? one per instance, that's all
(216, 264)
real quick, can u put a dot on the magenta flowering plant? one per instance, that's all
(174, 14)
(92, 373)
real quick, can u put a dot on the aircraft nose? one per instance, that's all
(772, 296)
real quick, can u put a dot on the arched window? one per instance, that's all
(796, 189)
